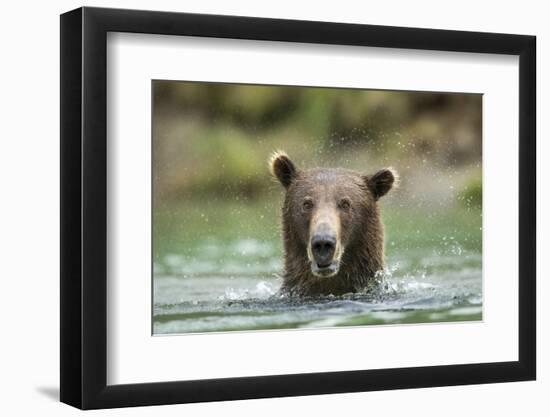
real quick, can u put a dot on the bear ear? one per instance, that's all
(282, 168)
(382, 182)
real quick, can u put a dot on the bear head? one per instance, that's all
(332, 229)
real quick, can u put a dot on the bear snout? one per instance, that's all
(323, 247)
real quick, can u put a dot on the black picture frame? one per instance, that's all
(84, 207)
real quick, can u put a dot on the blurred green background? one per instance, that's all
(211, 142)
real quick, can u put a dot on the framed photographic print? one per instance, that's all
(258, 207)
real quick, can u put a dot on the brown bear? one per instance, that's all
(333, 236)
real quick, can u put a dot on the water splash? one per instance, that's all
(262, 291)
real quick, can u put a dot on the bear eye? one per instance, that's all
(344, 204)
(307, 205)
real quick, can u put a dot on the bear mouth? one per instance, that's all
(325, 271)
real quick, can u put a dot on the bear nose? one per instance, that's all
(323, 248)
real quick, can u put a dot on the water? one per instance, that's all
(219, 282)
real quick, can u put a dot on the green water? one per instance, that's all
(217, 266)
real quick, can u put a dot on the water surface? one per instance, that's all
(210, 278)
